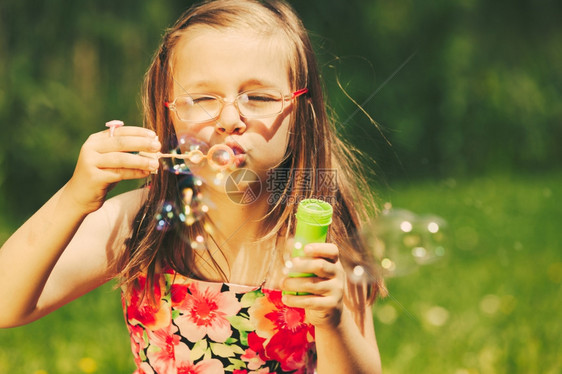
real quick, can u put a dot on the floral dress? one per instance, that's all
(200, 327)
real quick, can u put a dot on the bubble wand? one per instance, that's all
(220, 156)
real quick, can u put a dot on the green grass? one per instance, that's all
(86, 336)
(497, 292)
(491, 305)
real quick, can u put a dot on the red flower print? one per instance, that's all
(289, 348)
(255, 342)
(141, 309)
(178, 292)
(204, 312)
(287, 336)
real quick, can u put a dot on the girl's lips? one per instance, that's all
(239, 160)
(239, 153)
(236, 148)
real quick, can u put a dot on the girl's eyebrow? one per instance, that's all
(259, 82)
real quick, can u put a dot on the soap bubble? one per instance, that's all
(199, 243)
(193, 205)
(221, 156)
(166, 216)
(185, 145)
(400, 242)
(188, 143)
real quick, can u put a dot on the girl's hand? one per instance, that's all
(105, 160)
(324, 304)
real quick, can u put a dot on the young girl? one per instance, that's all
(203, 295)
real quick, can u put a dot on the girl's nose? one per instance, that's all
(230, 121)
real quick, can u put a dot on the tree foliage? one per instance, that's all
(458, 88)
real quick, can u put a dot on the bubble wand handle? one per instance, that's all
(193, 156)
(313, 220)
(196, 156)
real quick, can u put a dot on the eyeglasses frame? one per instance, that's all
(172, 105)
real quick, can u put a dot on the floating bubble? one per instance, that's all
(437, 316)
(406, 226)
(175, 165)
(490, 304)
(188, 143)
(191, 152)
(419, 252)
(219, 178)
(357, 274)
(433, 227)
(387, 314)
(190, 206)
(400, 242)
(220, 156)
(193, 205)
(166, 216)
(387, 264)
(199, 243)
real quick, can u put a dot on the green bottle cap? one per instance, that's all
(314, 212)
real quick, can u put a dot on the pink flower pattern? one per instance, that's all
(204, 311)
(198, 327)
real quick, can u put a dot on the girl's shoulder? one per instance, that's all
(126, 204)
(118, 214)
(133, 199)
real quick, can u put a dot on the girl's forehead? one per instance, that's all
(209, 54)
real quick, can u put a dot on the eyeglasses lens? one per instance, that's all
(251, 104)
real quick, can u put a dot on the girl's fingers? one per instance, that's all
(125, 161)
(313, 302)
(311, 285)
(328, 251)
(126, 131)
(129, 143)
(320, 267)
(124, 139)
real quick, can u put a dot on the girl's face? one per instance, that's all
(226, 63)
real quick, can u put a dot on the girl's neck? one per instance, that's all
(238, 246)
(235, 224)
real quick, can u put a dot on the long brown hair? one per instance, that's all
(312, 146)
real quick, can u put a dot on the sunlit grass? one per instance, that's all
(491, 305)
(86, 336)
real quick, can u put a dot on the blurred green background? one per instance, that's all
(466, 95)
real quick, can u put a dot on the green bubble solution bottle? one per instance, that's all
(313, 220)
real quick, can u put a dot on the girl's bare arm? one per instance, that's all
(64, 250)
(343, 349)
(59, 254)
